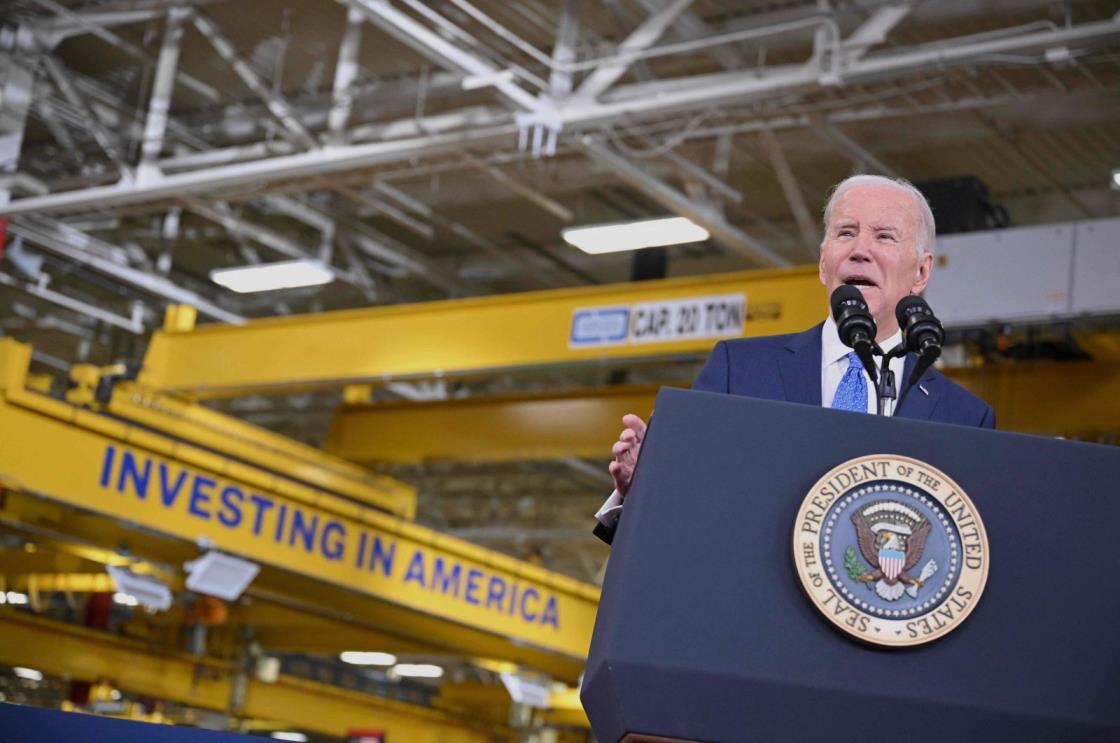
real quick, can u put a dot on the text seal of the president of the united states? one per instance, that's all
(891, 550)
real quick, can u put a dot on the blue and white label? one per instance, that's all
(719, 316)
(600, 326)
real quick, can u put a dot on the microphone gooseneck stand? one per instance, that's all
(885, 388)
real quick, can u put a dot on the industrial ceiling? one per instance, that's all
(435, 150)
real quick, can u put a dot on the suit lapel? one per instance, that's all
(800, 367)
(918, 404)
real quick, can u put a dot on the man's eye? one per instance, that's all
(845, 233)
(885, 236)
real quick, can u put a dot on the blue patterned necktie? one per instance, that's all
(851, 393)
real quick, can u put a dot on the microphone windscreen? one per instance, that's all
(911, 305)
(846, 296)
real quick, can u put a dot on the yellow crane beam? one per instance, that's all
(212, 430)
(632, 321)
(1057, 398)
(84, 654)
(1073, 398)
(517, 427)
(336, 616)
(139, 481)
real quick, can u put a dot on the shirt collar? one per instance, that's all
(833, 349)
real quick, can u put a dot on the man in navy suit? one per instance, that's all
(879, 237)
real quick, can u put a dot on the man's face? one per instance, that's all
(871, 244)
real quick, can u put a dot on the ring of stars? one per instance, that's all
(946, 525)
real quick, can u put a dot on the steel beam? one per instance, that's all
(689, 27)
(433, 46)
(634, 102)
(874, 30)
(66, 650)
(159, 102)
(314, 163)
(276, 104)
(456, 337)
(858, 154)
(487, 429)
(564, 51)
(261, 448)
(184, 493)
(86, 250)
(796, 200)
(534, 196)
(90, 26)
(221, 214)
(346, 69)
(17, 81)
(642, 37)
(1073, 399)
(105, 140)
(133, 324)
(721, 230)
(354, 614)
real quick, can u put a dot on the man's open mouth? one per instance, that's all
(859, 281)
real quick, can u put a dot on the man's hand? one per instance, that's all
(625, 452)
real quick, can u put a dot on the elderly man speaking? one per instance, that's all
(879, 236)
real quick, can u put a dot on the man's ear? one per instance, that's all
(925, 266)
(820, 267)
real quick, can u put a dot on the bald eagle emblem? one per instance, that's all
(891, 537)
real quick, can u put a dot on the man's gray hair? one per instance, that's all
(927, 229)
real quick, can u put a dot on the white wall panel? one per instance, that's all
(1014, 274)
(1096, 267)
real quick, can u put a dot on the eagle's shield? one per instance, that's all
(891, 562)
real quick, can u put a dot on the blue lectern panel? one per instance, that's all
(704, 632)
(35, 725)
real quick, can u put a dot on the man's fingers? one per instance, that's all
(635, 424)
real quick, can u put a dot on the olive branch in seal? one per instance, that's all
(855, 567)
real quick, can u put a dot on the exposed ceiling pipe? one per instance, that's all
(82, 249)
(654, 99)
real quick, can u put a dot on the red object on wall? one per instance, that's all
(3, 235)
(358, 735)
(98, 607)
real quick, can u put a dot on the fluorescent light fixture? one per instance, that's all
(217, 574)
(362, 658)
(266, 277)
(139, 590)
(15, 598)
(526, 691)
(28, 673)
(649, 233)
(286, 735)
(417, 670)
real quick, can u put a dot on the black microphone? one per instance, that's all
(922, 333)
(855, 324)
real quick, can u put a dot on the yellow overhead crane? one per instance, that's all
(76, 652)
(537, 330)
(136, 482)
(480, 335)
(1079, 399)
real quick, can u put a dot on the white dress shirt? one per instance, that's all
(834, 363)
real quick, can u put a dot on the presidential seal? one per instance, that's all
(891, 550)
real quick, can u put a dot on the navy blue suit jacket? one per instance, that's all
(788, 368)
